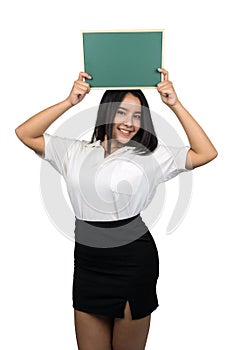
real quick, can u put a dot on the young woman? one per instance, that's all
(110, 180)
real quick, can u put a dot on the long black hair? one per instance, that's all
(145, 139)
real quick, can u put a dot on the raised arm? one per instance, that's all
(31, 131)
(201, 150)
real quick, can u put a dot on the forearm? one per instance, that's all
(199, 141)
(39, 123)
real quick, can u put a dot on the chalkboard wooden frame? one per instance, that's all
(123, 59)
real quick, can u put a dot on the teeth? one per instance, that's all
(124, 131)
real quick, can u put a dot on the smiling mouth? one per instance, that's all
(124, 132)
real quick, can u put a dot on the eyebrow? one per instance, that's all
(127, 109)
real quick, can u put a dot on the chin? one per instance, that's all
(124, 141)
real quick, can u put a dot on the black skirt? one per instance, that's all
(105, 278)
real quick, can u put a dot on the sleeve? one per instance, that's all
(57, 151)
(171, 161)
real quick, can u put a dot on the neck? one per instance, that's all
(114, 144)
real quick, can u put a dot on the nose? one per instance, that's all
(128, 120)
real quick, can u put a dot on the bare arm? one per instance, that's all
(201, 150)
(31, 131)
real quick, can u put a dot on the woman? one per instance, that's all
(116, 263)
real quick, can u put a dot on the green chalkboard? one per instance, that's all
(123, 59)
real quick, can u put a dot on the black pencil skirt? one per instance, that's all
(106, 277)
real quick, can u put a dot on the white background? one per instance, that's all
(40, 59)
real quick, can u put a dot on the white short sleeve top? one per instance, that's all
(112, 188)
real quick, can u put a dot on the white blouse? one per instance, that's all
(112, 188)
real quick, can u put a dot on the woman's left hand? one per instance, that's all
(166, 89)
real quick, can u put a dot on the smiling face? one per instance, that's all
(127, 120)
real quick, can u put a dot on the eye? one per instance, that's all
(121, 112)
(137, 116)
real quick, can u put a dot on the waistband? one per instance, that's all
(110, 224)
(107, 234)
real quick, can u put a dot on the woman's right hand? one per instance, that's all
(79, 89)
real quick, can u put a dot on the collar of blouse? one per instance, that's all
(97, 144)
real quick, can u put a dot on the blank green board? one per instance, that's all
(123, 59)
